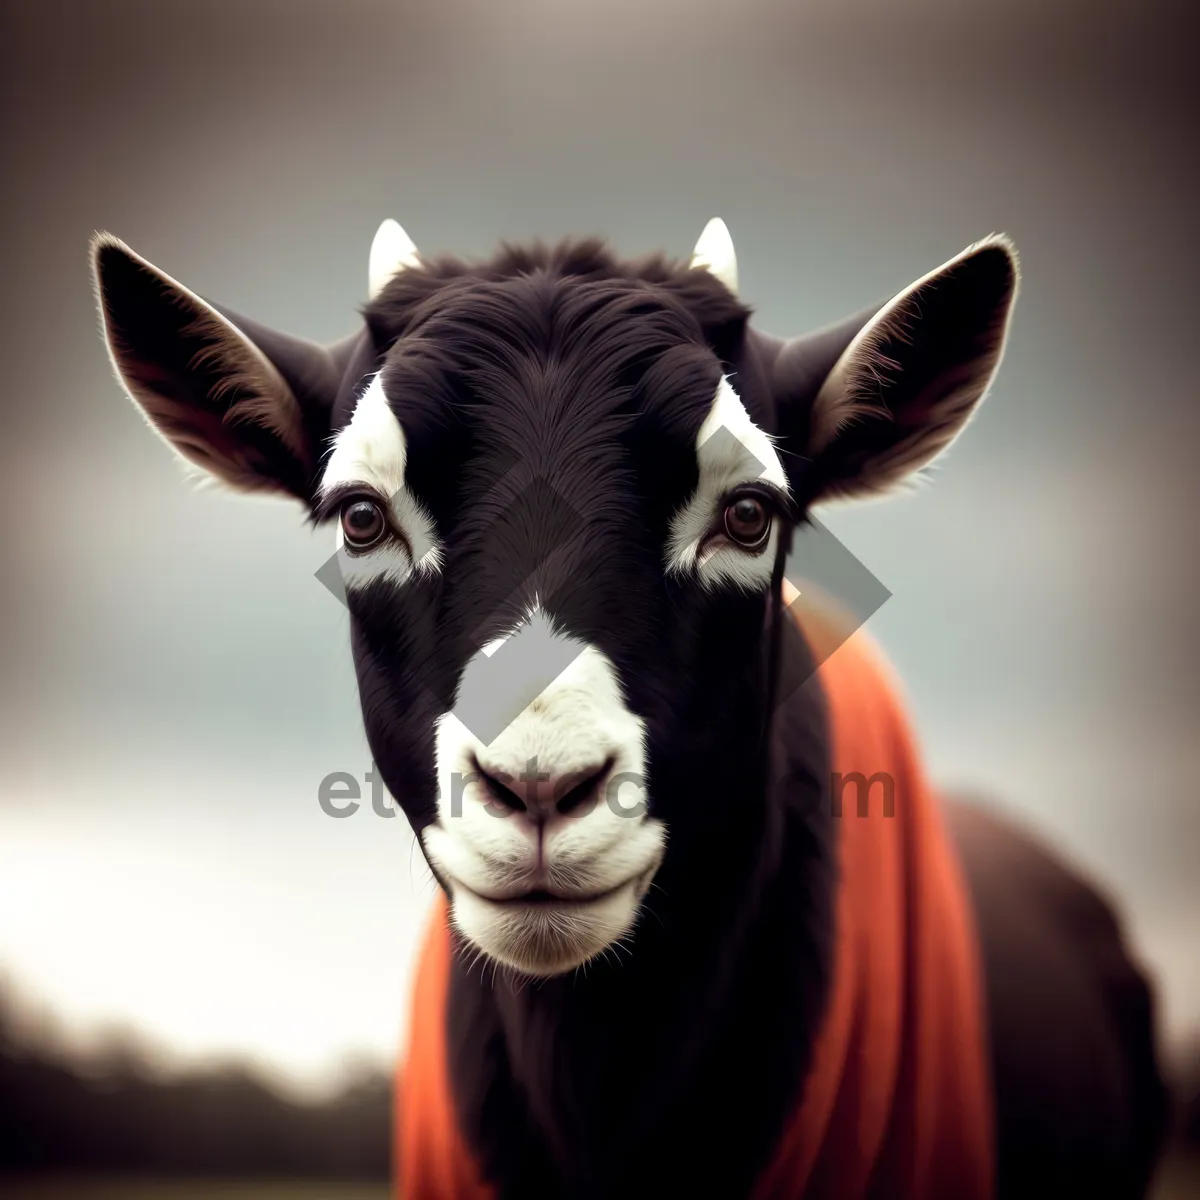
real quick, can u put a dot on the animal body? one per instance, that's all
(671, 954)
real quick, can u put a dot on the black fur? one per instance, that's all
(667, 1067)
(602, 1082)
(606, 1083)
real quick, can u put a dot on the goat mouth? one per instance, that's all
(542, 898)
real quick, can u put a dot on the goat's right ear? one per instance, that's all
(249, 406)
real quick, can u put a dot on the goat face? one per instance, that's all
(558, 522)
(559, 487)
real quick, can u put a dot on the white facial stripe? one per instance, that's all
(372, 451)
(578, 720)
(748, 455)
(532, 613)
(359, 570)
(730, 450)
(726, 564)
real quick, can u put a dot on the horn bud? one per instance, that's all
(714, 252)
(392, 251)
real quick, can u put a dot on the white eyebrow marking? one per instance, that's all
(372, 451)
(748, 455)
(730, 450)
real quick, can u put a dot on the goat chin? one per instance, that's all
(546, 937)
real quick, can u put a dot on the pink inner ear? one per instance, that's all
(204, 438)
(908, 383)
(208, 390)
(206, 434)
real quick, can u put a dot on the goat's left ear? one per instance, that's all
(864, 405)
(244, 403)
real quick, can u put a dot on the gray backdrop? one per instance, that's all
(176, 683)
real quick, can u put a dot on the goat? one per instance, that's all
(563, 488)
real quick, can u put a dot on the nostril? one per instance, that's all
(501, 793)
(584, 790)
(541, 795)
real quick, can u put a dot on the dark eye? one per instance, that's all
(747, 522)
(363, 523)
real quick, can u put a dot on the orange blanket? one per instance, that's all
(897, 1103)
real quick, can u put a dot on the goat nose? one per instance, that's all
(543, 794)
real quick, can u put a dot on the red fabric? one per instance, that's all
(434, 1162)
(897, 1103)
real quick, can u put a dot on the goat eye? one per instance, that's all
(747, 522)
(363, 523)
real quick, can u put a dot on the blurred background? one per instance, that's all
(179, 922)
